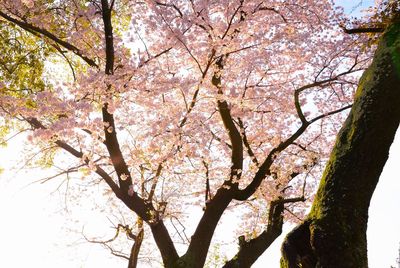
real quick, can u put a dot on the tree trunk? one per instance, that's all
(334, 233)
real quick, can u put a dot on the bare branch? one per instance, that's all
(330, 113)
(106, 242)
(363, 30)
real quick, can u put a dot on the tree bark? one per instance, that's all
(334, 233)
(249, 251)
(134, 256)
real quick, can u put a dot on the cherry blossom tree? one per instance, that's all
(175, 106)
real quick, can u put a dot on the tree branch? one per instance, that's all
(38, 31)
(154, 184)
(111, 140)
(246, 143)
(172, 6)
(263, 170)
(144, 210)
(233, 133)
(134, 256)
(363, 30)
(249, 251)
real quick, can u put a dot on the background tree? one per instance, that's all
(334, 233)
(178, 105)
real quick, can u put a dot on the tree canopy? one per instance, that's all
(175, 106)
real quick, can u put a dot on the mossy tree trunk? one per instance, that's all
(334, 233)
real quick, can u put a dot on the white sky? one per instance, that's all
(33, 234)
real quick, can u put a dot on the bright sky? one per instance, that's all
(34, 234)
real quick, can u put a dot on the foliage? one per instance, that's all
(185, 105)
